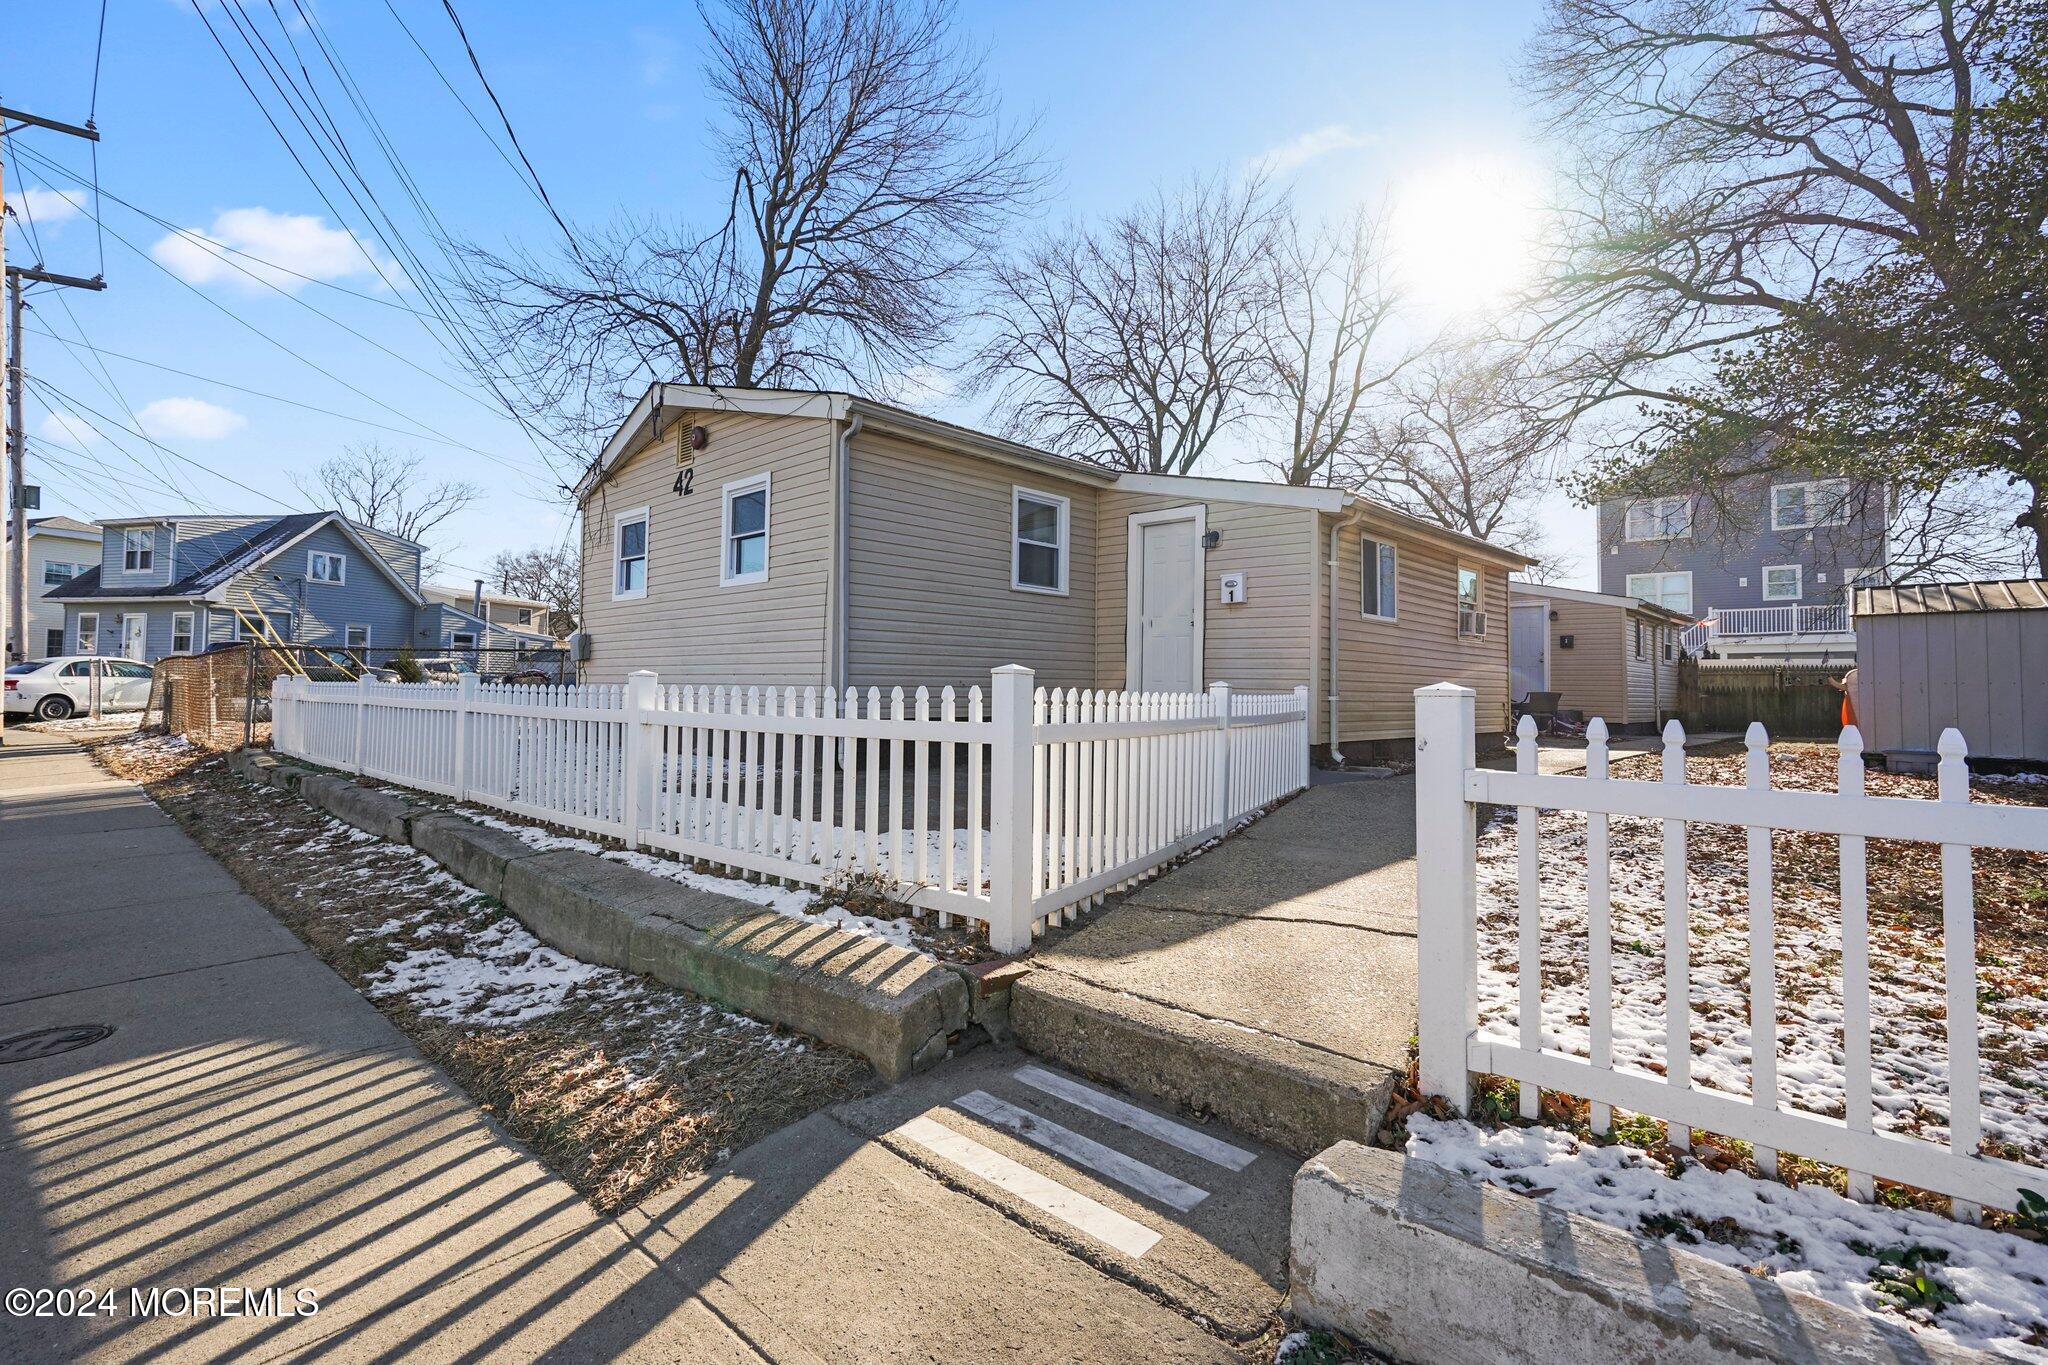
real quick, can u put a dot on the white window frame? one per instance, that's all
(523, 615)
(1064, 545)
(138, 549)
(93, 617)
(1468, 625)
(619, 525)
(191, 623)
(739, 488)
(339, 560)
(348, 640)
(1798, 583)
(1386, 557)
(1841, 505)
(456, 637)
(71, 571)
(1656, 508)
(1629, 589)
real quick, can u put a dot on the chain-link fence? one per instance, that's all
(221, 699)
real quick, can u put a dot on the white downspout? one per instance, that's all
(1336, 749)
(842, 515)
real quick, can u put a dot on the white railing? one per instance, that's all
(1825, 619)
(1009, 807)
(1450, 787)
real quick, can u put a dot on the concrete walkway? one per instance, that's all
(253, 1122)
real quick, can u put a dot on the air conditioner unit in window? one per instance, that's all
(1471, 622)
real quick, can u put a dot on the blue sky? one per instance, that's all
(1359, 100)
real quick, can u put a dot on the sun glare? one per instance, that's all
(1463, 233)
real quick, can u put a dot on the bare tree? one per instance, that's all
(381, 488)
(546, 573)
(1133, 343)
(868, 168)
(1458, 441)
(1330, 299)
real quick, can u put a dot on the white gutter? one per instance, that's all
(843, 476)
(1336, 751)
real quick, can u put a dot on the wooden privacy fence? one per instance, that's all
(1792, 700)
(1008, 806)
(1450, 788)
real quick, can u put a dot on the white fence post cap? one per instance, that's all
(1445, 689)
(1013, 668)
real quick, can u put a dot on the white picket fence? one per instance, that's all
(1450, 787)
(1007, 806)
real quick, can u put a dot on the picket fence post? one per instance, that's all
(465, 702)
(1219, 701)
(1446, 889)
(1010, 891)
(1301, 705)
(362, 708)
(643, 695)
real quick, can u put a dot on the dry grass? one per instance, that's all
(626, 1087)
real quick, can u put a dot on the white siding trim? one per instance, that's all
(1066, 540)
(191, 621)
(1798, 582)
(340, 567)
(619, 523)
(79, 639)
(761, 483)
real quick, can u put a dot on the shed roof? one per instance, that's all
(1924, 599)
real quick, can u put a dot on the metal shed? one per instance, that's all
(1969, 655)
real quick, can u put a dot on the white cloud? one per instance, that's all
(190, 419)
(46, 208)
(300, 245)
(1312, 145)
(67, 428)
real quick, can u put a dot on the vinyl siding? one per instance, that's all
(43, 548)
(367, 597)
(113, 555)
(203, 541)
(114, 616)
(1985, 673)
(928, 575)
(1381, 663)
(1652, 679)
(1591, 676)
(689, 628)
(1262, 644)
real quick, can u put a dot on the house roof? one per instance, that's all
(62, 526)
(1925, 599)
(264, 541)
(1554, 592)
(462, 597)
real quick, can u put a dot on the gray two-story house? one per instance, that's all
(1764, 564)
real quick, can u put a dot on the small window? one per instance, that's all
(356, 637)
(181, 632)
(1471, 620)
(1673, 590)
(55, 572)
(1659, 519)
(1665, 636)
(745, 532)
(525, 616)
(1378, 576)
(462, 639)
(1783, 582)
(1803, 506)
(53, 642)
(629, 555)
(325, 566)
(138, 550)
(89, 632)
(1039, 527)
(1639, 639)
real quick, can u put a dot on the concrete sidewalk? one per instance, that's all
(253, 1122)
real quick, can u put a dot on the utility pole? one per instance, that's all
(14, 612)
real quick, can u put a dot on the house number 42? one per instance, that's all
(684, 477)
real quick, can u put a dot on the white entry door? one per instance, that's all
(1164, 638)
(134, 637)
(1528, 650)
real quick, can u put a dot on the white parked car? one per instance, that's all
(51, 689)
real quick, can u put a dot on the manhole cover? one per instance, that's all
(48, 1042)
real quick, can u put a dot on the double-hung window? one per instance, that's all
(88, 632)
(1471, 619)
(1672, 590)
(181, 632)
(1378, 575)
(1040, 524)
(356, 637)
(325, 566)
(744, 532)
(629, 555)
(1659, 519)
(1803, 506)
(56, 571)
(1783, 582)
(138, 550)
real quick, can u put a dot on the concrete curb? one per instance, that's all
(1427, 1265)
(897, 1008)
(1294, 1097)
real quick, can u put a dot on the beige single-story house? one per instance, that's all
(1605, 655)
(800, 538)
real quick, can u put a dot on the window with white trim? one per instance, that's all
(1378, 579)
(1815, 502)
(356, 637)
(88, 632)
(56, 571)
(1672, 590)
(744, 532)
(1659, 519)
(525, 616)
(181, 632)
(1040, 524)
(326, 566)
(1783, 582)
(462, 639)
(629, 555)
(138, 550)
(1471, 620)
